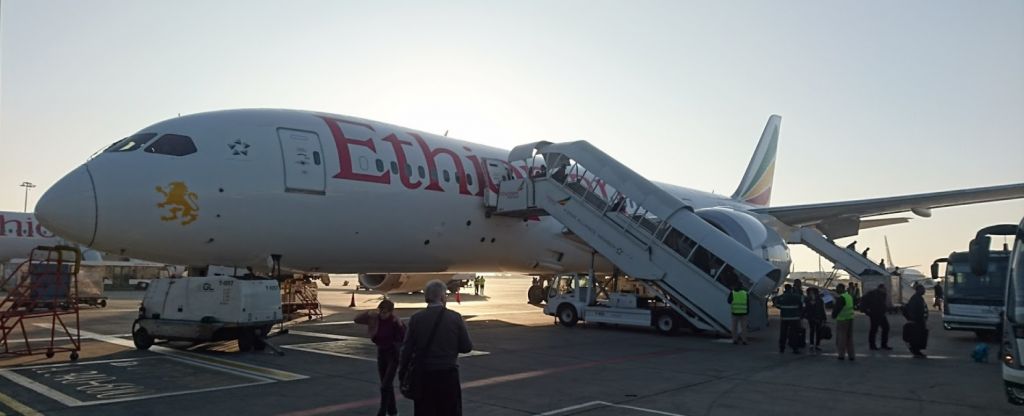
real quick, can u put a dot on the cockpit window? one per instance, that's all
(172, 144)
(130, 143)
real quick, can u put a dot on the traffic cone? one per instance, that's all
(458, 297)
(352, 303)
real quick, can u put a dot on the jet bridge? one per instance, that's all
(649, 234)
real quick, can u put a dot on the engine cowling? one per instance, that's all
(751, 233)
(408, 282)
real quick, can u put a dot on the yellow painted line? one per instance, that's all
(17, 406)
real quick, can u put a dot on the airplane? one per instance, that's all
(20, 232)
(324, 193)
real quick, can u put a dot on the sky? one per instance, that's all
(877, 98)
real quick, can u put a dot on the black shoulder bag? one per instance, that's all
(410, 383)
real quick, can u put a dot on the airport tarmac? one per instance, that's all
(524, 364)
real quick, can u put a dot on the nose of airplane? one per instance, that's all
(68, 208)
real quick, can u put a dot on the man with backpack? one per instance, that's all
(790, 308)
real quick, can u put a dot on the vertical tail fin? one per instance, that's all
(756, 186)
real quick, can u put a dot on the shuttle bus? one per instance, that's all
(973, 301)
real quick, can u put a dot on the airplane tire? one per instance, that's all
(535, 295)
(666, 323)
(567, 316)
(246, 340)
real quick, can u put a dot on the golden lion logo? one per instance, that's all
(182, 203)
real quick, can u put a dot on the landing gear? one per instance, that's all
(536, 295)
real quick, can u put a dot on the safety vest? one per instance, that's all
(739, 302)
(846, 313)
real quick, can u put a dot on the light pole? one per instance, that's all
(27, 186)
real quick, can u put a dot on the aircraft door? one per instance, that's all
(304, 170)
(498, 172)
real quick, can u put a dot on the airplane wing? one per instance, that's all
(812, 214)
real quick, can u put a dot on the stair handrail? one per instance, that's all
(645, 194)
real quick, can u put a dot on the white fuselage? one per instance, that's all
(20, 233)
(327, 193)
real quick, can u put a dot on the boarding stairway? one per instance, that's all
(649, 234)
(869, 273)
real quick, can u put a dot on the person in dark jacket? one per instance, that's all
(875, 307)
(916, 312)
(440, 389)
(387, 332)
(814, 312)
(938, 296)
(790, 308)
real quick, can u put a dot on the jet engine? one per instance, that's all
(409, 282)
(752, 233)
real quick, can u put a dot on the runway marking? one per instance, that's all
(366, 344)
(497, 380)
(606, 404)
(472, 315)
(17, 406)
(279, 375)
(110, 389)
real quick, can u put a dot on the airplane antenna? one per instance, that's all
(446, 133)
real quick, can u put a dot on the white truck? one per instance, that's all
(203, 309)
(574, 297)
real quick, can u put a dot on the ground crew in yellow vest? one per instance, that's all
(842, 312)
(739, 302)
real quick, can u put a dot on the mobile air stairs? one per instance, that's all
(647, 233)
(859, 267)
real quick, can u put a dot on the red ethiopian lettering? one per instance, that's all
(430, 155)
(403, 162)
(345, 155)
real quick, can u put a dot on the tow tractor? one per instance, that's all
(204, 309)
(573, 297)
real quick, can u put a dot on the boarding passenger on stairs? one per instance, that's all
(842, 313)
(875, 307)
(739, 302)
(387, 331)
(789, 306)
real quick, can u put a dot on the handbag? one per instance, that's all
(825, 332)
(409, 380)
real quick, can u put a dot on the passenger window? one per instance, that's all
(394, 168)
(433, 175)
(380, 165)
(130, 143)
(172, 145)
(469, 179)
(363, 163)
(447, 177)
(423, 173)
(408, 170)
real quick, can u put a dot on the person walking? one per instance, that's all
(915, 332)
(789, 306)
(842, 313)
(937, 290)
(875, 307)
(814, 312)
(739, 302)
(387, 332)
(435, 338)
(476, 285)
(482, 281)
